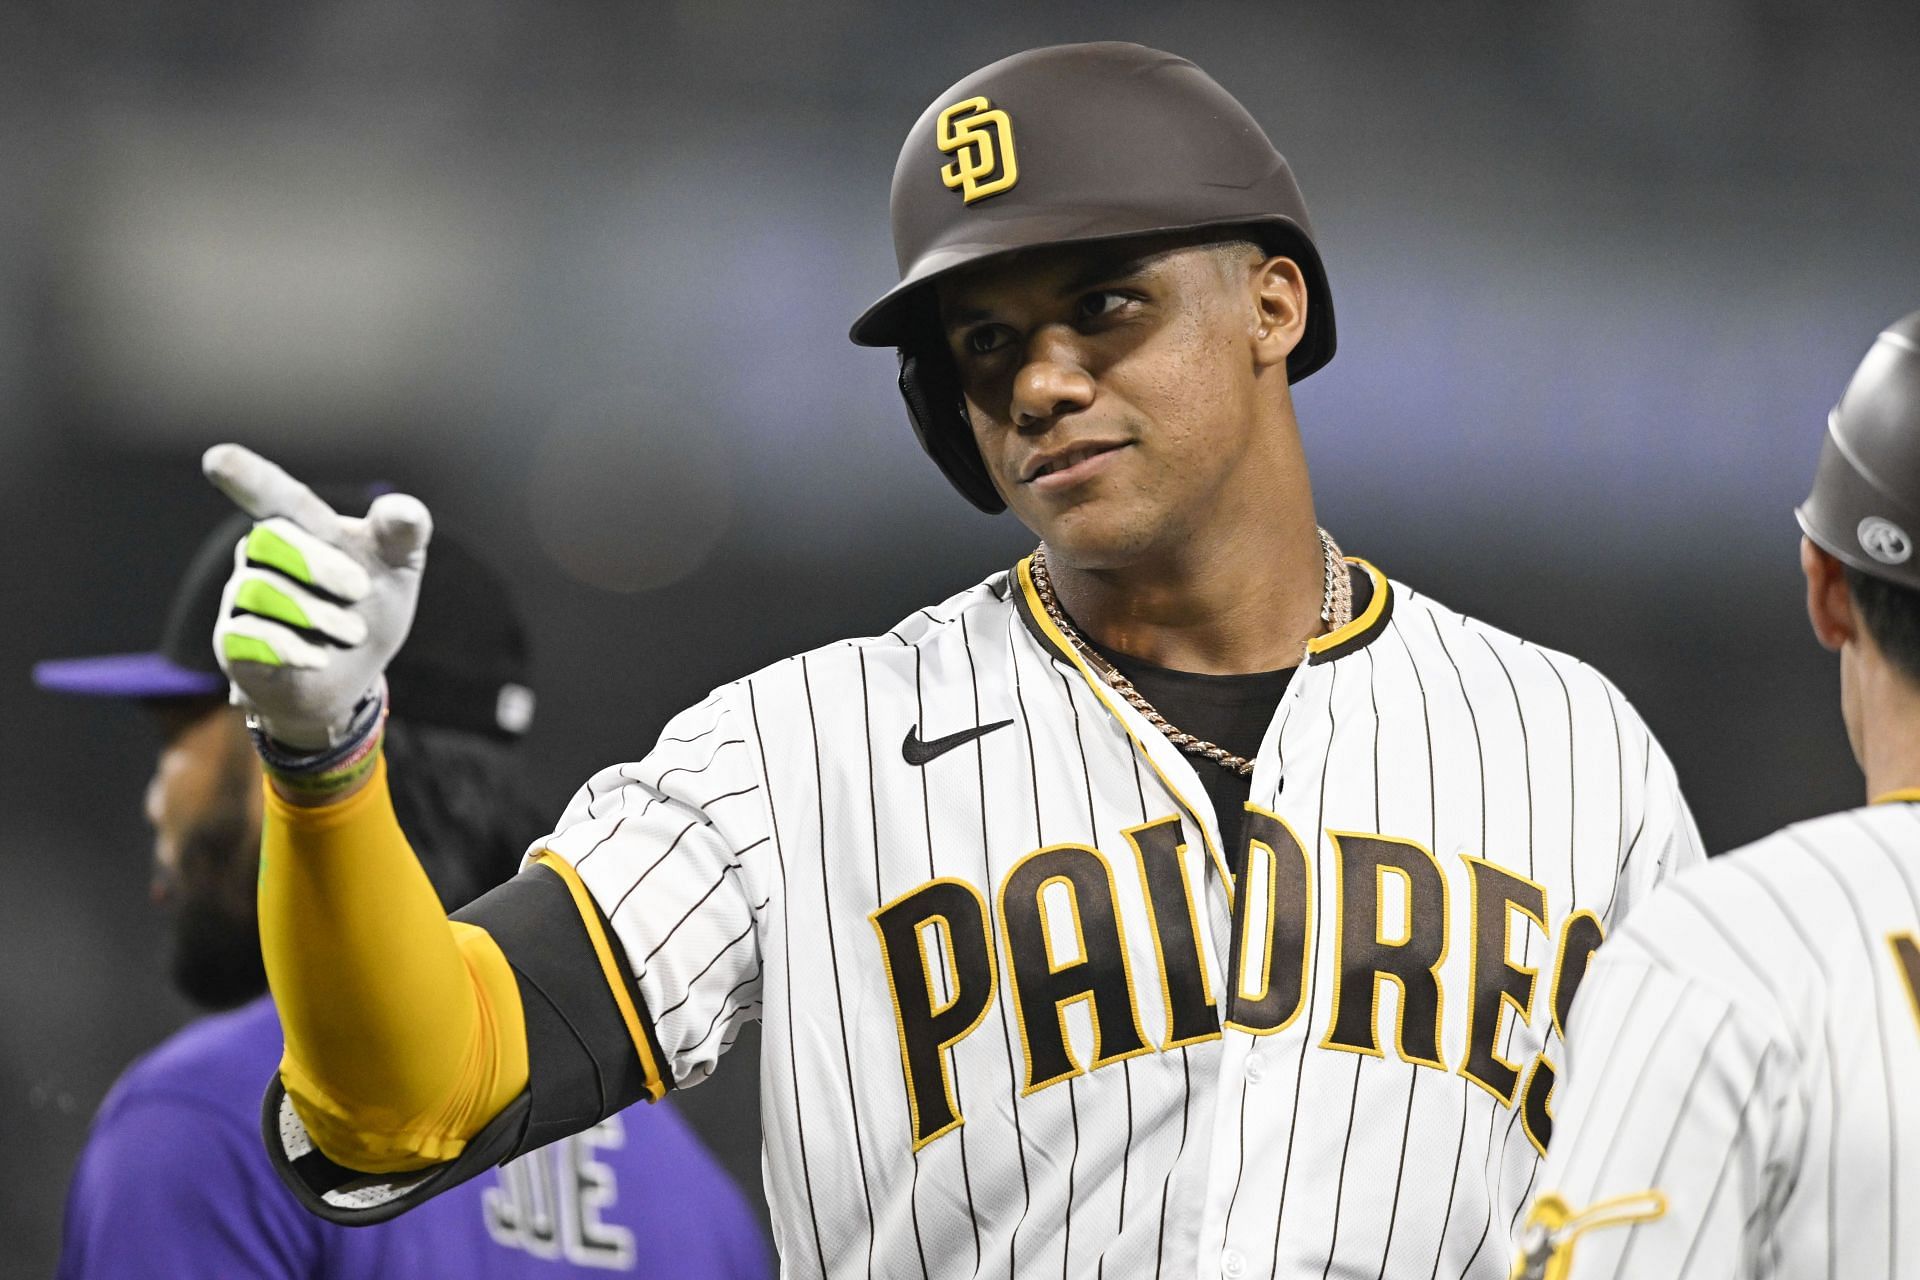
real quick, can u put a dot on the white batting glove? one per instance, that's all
(318, 602)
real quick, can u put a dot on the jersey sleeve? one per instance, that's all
(1665, 1154)
(169, 1187)
(663, 847)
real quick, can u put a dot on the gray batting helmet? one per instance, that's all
(1067, 145)
(1865, 506)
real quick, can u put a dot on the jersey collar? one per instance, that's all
(1331, 647)
(1364, 629)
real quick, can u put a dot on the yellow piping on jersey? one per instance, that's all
(1903, 795)
(1368, 617)
(609, 967)
(1038, 612)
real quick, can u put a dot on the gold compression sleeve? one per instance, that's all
(404, 1029)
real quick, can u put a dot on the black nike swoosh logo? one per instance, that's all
(917, 752)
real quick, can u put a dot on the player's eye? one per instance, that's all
(986, 339)
(1101, 302)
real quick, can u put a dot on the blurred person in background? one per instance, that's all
(173, 1181)
(1742, 1054)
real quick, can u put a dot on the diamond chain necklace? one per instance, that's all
(1336, 610)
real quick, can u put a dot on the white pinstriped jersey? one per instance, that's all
(1744, 1058)
(1012, 1020)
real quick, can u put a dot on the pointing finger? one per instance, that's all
(401, 526)
(263, 490)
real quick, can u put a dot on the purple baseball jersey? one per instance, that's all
(175, 1182)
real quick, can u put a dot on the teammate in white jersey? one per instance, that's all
(1048, 985)
(1740, 1091)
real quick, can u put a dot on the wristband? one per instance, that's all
(321, 775)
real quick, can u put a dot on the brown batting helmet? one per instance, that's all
(1067, 145)
(1865, 506)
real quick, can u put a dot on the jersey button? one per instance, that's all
(1254, 1068)
(1232, 1265)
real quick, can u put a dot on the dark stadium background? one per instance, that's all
(579, 275)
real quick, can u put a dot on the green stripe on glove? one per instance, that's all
(264, 546)
(268, 601)
(249, 649)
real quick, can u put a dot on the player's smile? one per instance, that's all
(1067, 466)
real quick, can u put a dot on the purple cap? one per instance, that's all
(127, 675)
(183, 665)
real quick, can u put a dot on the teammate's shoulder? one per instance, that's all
(1819, 852)
(220, 1062)
(1762, 913)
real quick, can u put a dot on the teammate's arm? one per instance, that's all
(1676, 1101)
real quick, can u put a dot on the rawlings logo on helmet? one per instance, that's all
(980, 138)
(1884, 540)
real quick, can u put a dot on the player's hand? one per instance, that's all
(318, 602)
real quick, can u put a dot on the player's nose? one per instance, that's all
(1050, 384)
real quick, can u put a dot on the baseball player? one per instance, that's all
(173, 1181)
(1739, 1096)
(1188, 899)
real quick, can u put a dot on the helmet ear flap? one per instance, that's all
(931, 387)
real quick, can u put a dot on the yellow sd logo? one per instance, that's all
(980, 138)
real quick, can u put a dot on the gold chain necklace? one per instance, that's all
(1336, 610)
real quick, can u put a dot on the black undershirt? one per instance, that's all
(1229, 711)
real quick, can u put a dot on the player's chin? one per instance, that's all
(1095, 531)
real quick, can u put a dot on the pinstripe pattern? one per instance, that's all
(742, 859)
(1748, 1047)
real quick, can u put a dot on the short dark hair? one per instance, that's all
(463, 802)
(1892, 615)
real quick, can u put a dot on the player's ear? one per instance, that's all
(1829, 601)
(1279, 293)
